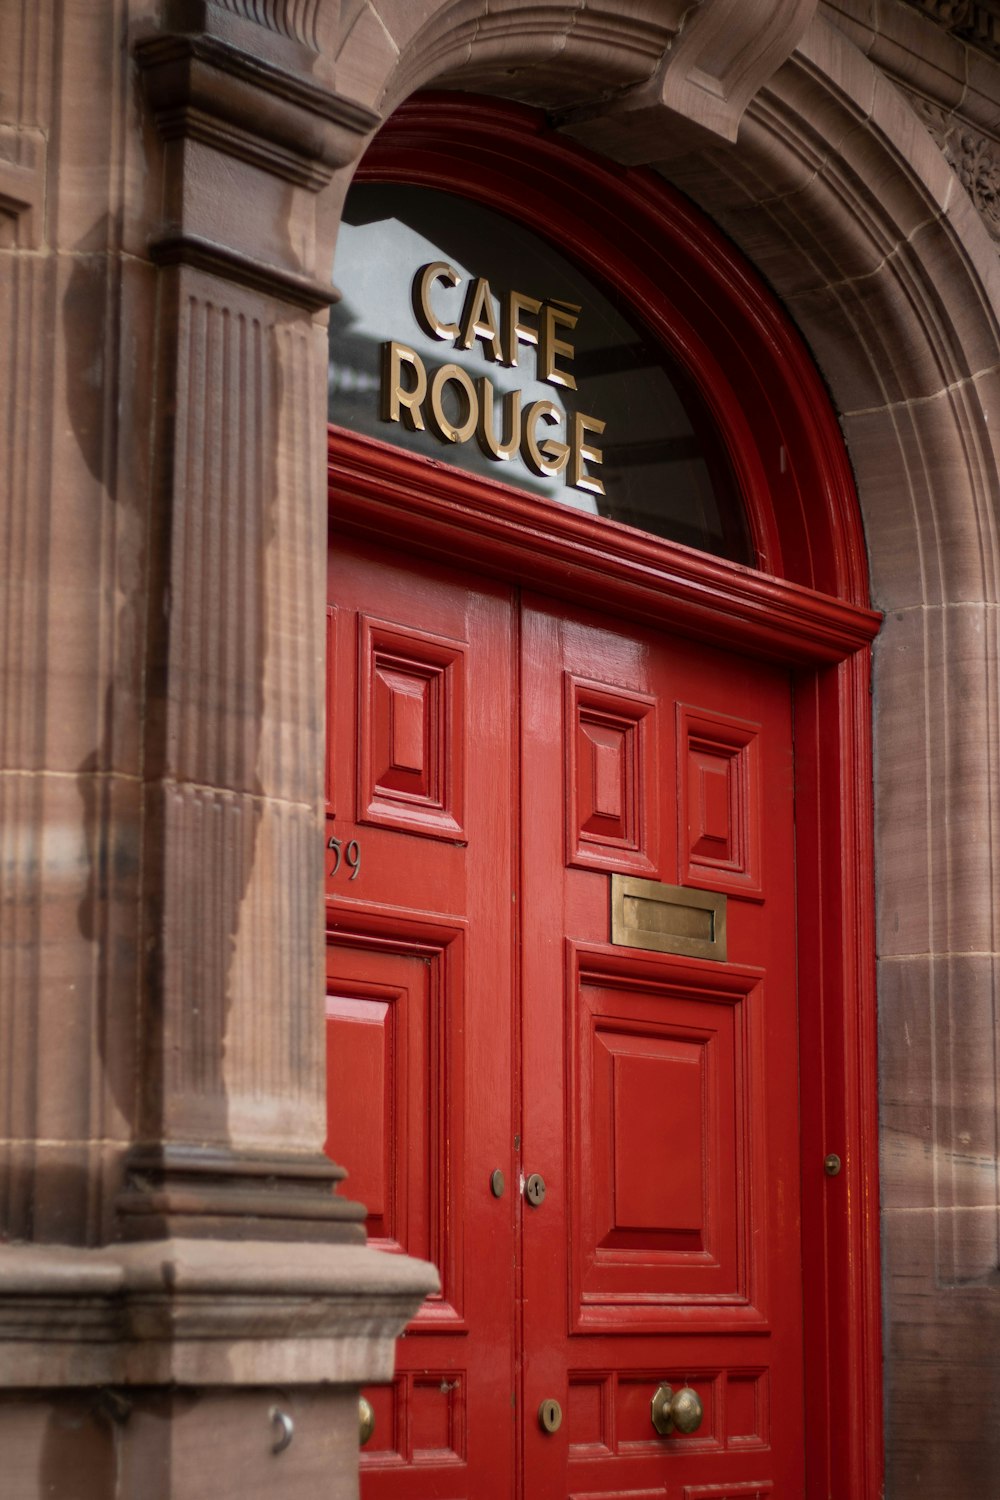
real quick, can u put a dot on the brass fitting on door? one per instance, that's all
(676, 1411)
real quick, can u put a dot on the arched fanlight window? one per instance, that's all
(467, 337)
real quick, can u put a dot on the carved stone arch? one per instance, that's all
(704, 61)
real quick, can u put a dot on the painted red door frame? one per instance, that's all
(806, 605)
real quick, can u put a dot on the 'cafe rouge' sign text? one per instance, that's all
(413, 394)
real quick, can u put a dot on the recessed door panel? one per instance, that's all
(720, 825)
(665, 1152)
(395, 1086)
(611, 778)
(660, 1144)
(413, 729)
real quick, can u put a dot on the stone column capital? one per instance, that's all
(249, 106)
(243, 119)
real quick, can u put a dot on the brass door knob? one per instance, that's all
(366, 1420)
(676, 1411)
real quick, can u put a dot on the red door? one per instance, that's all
(498, 762)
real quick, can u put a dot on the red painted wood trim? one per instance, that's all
(807, 604)
(837, 1020)
(381, 491)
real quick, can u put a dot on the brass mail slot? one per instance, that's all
(667, 918)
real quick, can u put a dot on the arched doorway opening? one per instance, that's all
(529, 707)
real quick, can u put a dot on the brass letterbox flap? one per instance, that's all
(667, 918)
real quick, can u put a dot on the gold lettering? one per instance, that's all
(584, 452)
(550, 346)
(516, 332)
(494, 447)
(436, 270)
(479, 320)
(453, 432)
(397, 402)
(547, 457)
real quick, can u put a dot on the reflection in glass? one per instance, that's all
(664, 466)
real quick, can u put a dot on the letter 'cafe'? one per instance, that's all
(418, 398)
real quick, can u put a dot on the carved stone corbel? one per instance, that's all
(724, 53)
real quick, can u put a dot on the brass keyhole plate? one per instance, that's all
(550, 1415)
(534, 1189)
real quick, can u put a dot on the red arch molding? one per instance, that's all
(805, 604)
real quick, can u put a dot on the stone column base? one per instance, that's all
(193, 1369)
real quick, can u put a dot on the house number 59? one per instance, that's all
(348, 854)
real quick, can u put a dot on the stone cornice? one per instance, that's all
(203, 1312)
(250, 107)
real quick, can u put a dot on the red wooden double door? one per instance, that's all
(494, 759)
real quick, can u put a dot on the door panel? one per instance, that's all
(658, 1134)
(495, 761)
(419, 1024)
(660, 1099)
